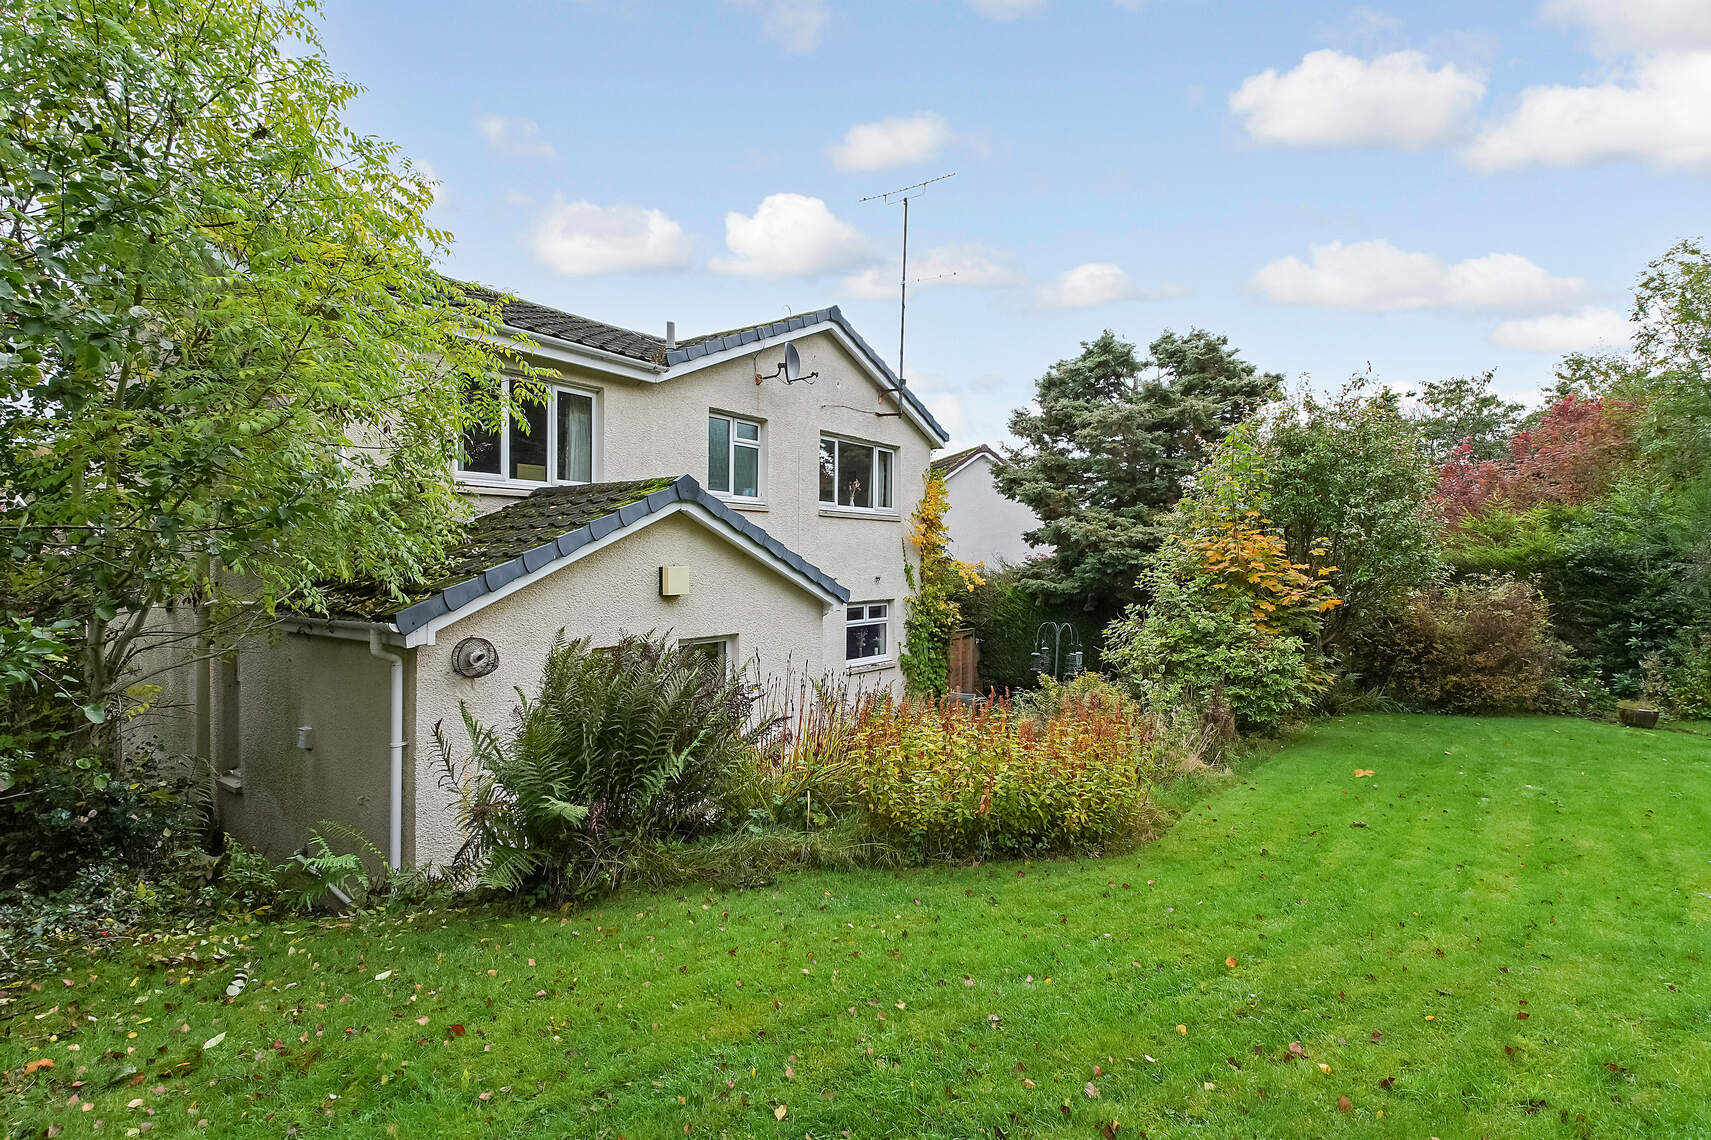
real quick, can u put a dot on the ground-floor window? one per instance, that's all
(865, 638)
(713, 652)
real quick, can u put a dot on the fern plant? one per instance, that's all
(620, 746)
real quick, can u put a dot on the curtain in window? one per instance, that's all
(575, 437)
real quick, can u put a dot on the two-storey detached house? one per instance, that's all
(691, 488)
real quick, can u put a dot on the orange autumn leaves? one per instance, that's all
(1246, 554)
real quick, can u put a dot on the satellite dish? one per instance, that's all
(790, 369)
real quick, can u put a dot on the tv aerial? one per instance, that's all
(790, 368)
(891, 197)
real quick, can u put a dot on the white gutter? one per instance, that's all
(395, 749)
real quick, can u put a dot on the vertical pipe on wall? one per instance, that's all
(395, 749)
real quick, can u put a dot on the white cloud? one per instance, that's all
(579, 239)
(1333, 99)
(794, 24)
(1005, 9)
(1589, 328)
(509, 135)
(891, 142)
(790, 235)
(1085, 286)
(1637, 25)
(964, 266)
(1659, 116)
(1375, 276)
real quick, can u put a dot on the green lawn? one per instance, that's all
(1501, 932)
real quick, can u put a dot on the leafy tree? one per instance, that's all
(1103, 459)
(228, 371)
(1670, 373)
(1349, 485)
(1462, 414)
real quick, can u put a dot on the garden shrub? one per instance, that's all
(1231, 625)
(619, 747)
(1475, 647)
(951, 780)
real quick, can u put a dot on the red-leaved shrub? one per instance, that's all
(1569, 457)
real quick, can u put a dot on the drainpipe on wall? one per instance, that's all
(395, 846)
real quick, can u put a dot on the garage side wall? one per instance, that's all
(341, 694)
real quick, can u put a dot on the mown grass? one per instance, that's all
(1502, 932)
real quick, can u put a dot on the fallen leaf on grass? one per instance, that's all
(38, 1063)
(1295, 1049)
(779, 1112)
(457, 1030)
(1362, 773)
(1183, 1030)
(1230, 962)
(214, 1040)
(1344, 1104)
(1091, 1089)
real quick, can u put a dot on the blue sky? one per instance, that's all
(1430, 190)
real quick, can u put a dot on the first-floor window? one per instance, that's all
(865, 636)
(857, 475)
(551, 442)
(733, 456)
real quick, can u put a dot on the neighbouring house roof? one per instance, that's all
(948, 465)
(552, 524)
(529, 317)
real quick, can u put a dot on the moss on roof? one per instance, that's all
(494, 538)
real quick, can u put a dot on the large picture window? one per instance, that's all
(733, 456)
(552, 443)
(865, 638)
(856, 475)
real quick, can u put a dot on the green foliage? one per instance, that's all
(1478, 646)
(938, 583)
(1347, 474)
(77, 816)
(948, 780)
(1686, 689)
(223, 347)
(1084, 693)
(1103, 459)
(1006, 618)
(620, 746)
(1670, 371)
(1626, 575)
(1463, 412)
(1195, 647)
(38, 693)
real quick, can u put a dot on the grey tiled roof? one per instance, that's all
(650, 349)
(736, 338)
(550, 524)
(530, 317)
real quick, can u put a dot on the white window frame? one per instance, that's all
(757, 444)
(727, 641)
(838, 441)
(883, 622)
(503, 477)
